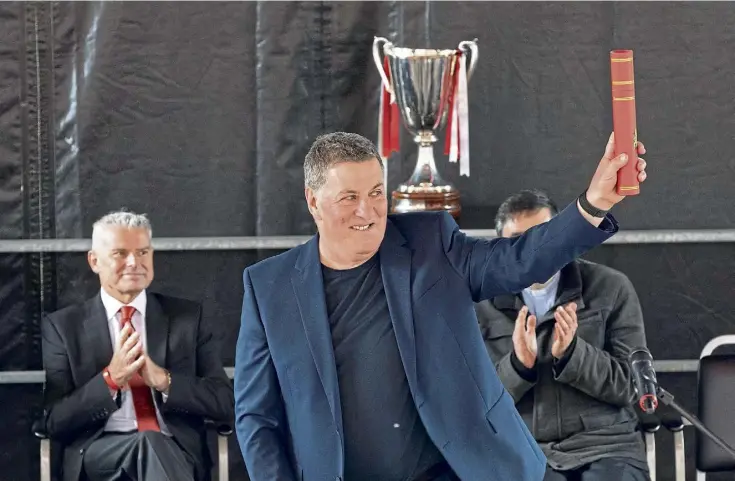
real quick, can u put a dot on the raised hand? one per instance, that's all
(154, 375)
(128, 357)
(564, 329)
(601, 192)
(524, 338)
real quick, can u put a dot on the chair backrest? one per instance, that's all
(716, 394)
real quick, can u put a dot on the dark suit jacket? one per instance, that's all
(582, 412)
(288, 412)
(77, 346)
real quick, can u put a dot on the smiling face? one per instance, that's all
(350, 210)
(122, 257)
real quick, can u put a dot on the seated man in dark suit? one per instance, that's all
(132, 375)
(560, 349)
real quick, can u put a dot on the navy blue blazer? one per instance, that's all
(287, 404)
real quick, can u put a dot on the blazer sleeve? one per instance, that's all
(208, 393)
(68, 409)
(260, 414)
(502, 265)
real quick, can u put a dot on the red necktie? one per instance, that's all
(145, 409)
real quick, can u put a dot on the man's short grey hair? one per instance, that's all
(121, 218)
(330, 149)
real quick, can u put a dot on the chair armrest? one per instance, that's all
(222, 429)
(650, 423)
(672, 421)
(39, 428)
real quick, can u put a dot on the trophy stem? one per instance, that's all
(426, 189)
(425, 174)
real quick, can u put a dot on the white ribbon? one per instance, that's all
(463, 117)
(381, 122)
(453, 141)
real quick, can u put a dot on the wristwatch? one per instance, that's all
(168, 384)
(589, 208)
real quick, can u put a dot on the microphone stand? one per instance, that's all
(668, 399)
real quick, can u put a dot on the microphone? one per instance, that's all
(644, 378)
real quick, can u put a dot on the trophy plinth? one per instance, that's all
(423, 201)
(422, 83)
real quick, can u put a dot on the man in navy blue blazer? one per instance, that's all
(359, 355)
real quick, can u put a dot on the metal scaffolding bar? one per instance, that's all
(38, 377)
(287, 242)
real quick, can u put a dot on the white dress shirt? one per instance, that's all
(540, 301)
(124, 420)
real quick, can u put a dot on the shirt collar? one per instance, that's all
(112, 305)
(549, 289)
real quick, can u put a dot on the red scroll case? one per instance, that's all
(624, 122)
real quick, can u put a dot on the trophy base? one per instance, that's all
(427, 201)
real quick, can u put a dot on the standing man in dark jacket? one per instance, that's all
(359, 355)
(560, 349)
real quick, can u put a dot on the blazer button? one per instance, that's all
(81, 451)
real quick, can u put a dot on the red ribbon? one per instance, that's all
(452, 92)
(390, 119)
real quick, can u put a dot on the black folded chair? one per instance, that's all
(223, 462)
(716, 396)
(716, 410)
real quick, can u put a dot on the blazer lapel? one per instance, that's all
(97, 333)
(308, 287)
(395, 266)
(156, 327)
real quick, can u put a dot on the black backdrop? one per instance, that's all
(200, 114)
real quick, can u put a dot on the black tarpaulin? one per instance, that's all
(200, 114)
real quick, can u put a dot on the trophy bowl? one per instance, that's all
(422, 82)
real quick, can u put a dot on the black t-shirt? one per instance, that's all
(384, 437)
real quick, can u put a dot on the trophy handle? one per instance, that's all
(471, 47)
(378, 44)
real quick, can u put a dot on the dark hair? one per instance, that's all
(525, 201)
(330, 149)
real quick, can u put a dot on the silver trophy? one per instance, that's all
(421, 80)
